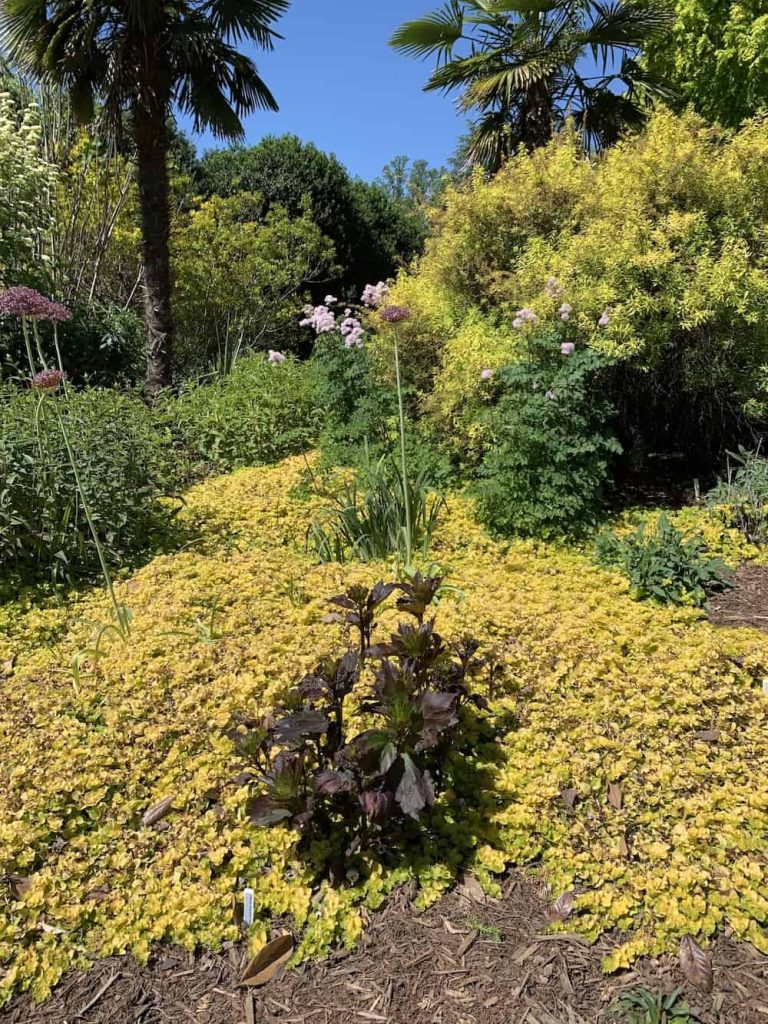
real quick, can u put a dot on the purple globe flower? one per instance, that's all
(395, 314)
(567, 348)
(26, 302)
(48, 380)
(486, 375)
(276, 357)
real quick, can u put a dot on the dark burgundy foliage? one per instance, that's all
(353, 787)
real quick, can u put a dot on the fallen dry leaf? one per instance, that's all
(624, 848)
(470, 888)
(562, 908)
(569, 797)
(158, 812)
(268, 961)
(707, 735)
(18, 884)
(615, 795)
(695, 964)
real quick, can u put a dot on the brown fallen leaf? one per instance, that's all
(623, 848)
(268, 961)
(237, 911)
(18, 884)
(158, 812)
(707, 735)
(695, 964)
(569, 797)
(562, 908)
(470, 888)
(615, 796)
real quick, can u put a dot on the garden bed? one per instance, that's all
(629, 762)
(467, 960)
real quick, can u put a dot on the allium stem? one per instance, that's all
(116, 609)
(403, 460)
(28, 346)
(59, 360)
(38, 344)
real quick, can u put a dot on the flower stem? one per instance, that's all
(28, 346)
(117, 610)
(406, 489)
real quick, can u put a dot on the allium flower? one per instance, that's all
(276, 357)
(48, 380)
(486, 375)
(375, 294)
(565, 311)
(605, 319)
(26, 302)
(567, 348)
(550, 395)
(524, 316)
(554, 288)
(395, 314)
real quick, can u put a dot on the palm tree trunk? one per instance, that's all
(151, 137)
(538, 121)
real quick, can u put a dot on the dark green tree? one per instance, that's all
(520, 66)
(143, 58)
(372, 232)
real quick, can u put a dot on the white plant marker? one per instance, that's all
(248, 907)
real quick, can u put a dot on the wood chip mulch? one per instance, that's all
(468, 960)
(747, 603)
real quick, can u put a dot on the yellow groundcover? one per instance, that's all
(598, 689)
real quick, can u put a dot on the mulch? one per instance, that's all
(747, 603)
(468, 960)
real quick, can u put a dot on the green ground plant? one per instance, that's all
(642, 1006)
(741, 498)
(663, 565)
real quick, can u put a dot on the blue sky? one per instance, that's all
(340, 86)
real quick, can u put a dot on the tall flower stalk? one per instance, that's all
(396, 315)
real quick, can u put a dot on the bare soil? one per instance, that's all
(747, 603)
(468, 960)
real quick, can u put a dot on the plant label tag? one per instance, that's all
(248, 907)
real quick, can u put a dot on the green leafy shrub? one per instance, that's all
(365, 517)
(125, 464)
(259, 413)
(741, 499)
(662, 564)
(347, 787)
(550, 444)
(645, 1007)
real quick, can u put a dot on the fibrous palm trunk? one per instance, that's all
(538, 123)
(151, 138)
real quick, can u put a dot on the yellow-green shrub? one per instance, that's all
(668, 231)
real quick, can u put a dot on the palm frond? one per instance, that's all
(246, 19)
(626, 24)
(435, 33)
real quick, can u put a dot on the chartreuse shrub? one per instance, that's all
(592, 688)
(125, 463)
(549, 437)
(258, 413)
(666, 232)
(660, 563)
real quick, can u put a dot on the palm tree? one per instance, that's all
(142, 58)
(522, 65)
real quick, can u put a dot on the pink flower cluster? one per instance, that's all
(565, 311)
(275, 357)
(321, 319)
(605, 319)
(351, 331)
(554, 288)
(524, 316)
(26, 302)
(375, 294)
